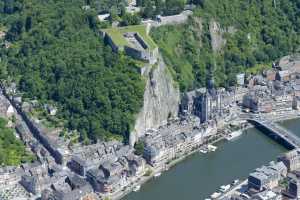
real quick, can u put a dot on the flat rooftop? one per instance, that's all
(117, 35)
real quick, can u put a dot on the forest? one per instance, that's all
(56, 54)
(263, 32)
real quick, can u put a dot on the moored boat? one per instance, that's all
(236, 181)
(224, 188)
(211, 147)
(136, 188)
(203, 151)
(215, 195)
(233, 135)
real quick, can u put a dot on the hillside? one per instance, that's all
(57, 55)
(250, 34)
(53, 51)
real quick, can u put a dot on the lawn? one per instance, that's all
(117, 35)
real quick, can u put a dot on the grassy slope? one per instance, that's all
(117, 37)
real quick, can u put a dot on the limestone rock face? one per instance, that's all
(218, 40)
(216, 33)
(161, 101)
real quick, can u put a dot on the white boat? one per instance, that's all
(224, 188)
(136, 188)
(236, 181)
(233, 135)
(157, 174)
(211, 147)
(203, 151)
(215, 195)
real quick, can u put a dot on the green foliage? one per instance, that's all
(151, 8)
(130, 19)
(59, 56)
(12, 150)
(139, 148)
(180, 46)
(263, 33)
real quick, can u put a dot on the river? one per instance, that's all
(201, 174)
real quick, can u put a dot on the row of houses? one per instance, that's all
(103, 167)
(267, 177)
(108, 166)
(266, 182)
(266, 98)
(56, 146)
(54, 183)
(175, 140)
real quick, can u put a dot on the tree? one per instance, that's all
(130, 19)
(12, 150)
(62, 60)
(174, 7)
(199, 2)
(8, 6)
(148, 11)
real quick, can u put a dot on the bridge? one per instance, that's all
(275, 131)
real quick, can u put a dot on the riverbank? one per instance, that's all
(201, 174)
(162, 169)
(217, 138)
(274, 116)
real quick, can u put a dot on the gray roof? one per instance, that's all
(79, 161)
(258, 175)
(112, 168)
(296, 87)
(77, 181)
(95, 173)
(283, 73)
(74, 194)
(113, 179)
(279, 166)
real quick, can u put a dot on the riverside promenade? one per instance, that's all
(274, 116)
(119, 195)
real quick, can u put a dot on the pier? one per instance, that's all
(276, 132)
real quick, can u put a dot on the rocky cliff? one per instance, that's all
(161, 100)
(218, 40)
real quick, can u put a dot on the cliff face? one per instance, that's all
(218, 40)
(216, 33)
(161, 100)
